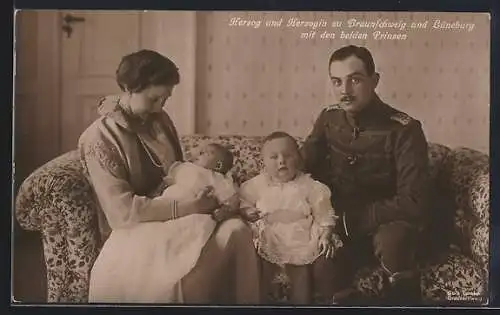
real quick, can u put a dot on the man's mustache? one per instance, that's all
(347, 98)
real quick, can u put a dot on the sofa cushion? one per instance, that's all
(447, 278)
(437, 156)
(456, 278)
(468, 176)
(453, 278)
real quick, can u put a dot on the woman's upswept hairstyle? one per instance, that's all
(146, 68)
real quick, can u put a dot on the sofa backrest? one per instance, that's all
(248, 163)
(461, 180)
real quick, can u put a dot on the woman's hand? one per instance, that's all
(204, 203)
(223, 213)
(250, 214)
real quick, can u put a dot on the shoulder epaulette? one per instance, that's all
(332, 107)
(402, 118)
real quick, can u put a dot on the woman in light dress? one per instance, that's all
(126, 153)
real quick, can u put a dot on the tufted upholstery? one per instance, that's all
(57, 201)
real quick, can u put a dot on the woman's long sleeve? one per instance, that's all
(107, 171)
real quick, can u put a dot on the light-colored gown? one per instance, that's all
(306, 208)
(117, 154)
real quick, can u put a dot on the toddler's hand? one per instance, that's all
(250, 214)
(326, 246)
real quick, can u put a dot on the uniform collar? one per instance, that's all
(368, 114)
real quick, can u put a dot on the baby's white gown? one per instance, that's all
(145, 263)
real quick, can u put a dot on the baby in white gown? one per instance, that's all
(164, 252)
(292, 216)
(209, 168)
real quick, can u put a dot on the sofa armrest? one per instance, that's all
(468, 177)
(58, 201)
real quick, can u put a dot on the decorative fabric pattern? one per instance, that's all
(468, 176)
(107, 155)
(57, 200)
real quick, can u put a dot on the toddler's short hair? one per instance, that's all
(281, 135)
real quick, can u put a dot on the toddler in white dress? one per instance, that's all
(292, 217)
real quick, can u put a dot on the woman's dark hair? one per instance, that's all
(361, 52)
(145, 68)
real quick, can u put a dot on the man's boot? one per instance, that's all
(403, 289)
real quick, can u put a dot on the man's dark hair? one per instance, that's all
(145, 68)
(361, 52)
(280, 135)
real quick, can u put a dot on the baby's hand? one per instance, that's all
(250, 214)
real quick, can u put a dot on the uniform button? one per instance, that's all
(352, 159)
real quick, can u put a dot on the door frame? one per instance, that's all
(45, 87)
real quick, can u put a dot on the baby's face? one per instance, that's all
(208, 156)
(281, 159)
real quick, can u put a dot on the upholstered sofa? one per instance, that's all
(57, 201)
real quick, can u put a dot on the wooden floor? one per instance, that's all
(28, 273)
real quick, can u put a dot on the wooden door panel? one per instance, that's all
(90, 57)
(106, 37)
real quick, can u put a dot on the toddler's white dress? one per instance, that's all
(307, 207)
(159, 254)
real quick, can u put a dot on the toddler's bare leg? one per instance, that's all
(301, 286)
(268, 271)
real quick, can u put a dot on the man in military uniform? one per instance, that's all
(374, 159)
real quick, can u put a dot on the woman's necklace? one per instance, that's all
(146, 148)
(128, 111)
